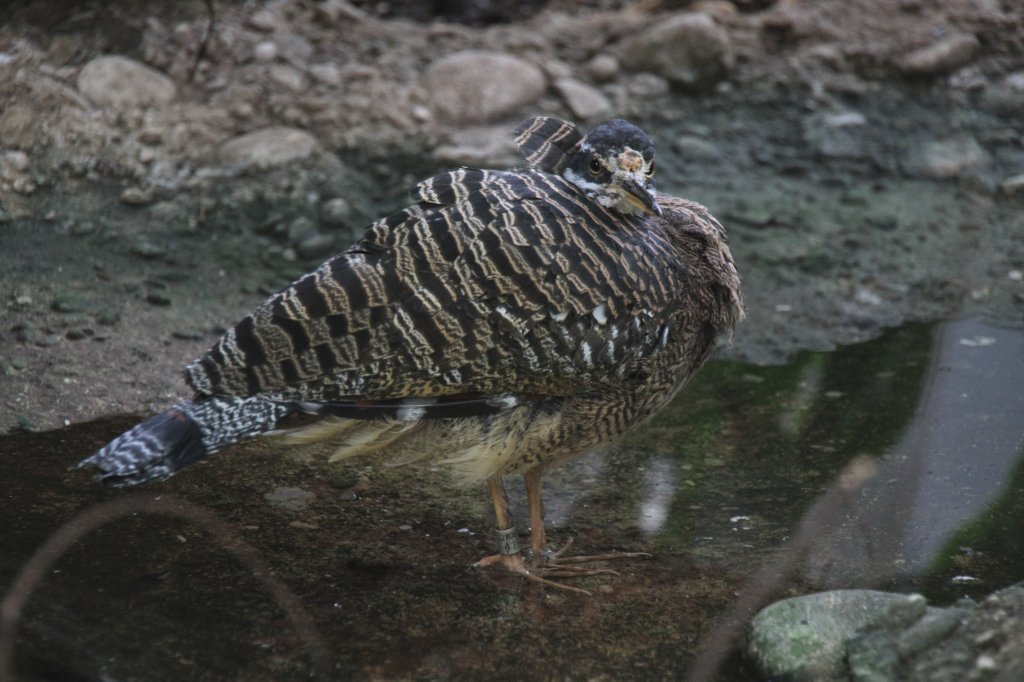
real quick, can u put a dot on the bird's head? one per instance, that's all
(614, 165)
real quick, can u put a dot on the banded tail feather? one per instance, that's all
(191, 430)
(182, 435)
(547, 143)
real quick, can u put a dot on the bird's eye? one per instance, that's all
(595, 166)
(650, 170)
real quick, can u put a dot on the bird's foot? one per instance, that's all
(557, 565)
(515, 564)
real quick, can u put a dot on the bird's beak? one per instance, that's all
(637, 195)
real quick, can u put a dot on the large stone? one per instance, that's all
(122, 83)
(584, 101)
(267, 147)
(943, 57)
(805, 638)
(475, 86)
(689, 49)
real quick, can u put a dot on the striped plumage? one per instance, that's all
(505, 321)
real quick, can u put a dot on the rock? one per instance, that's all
(940, 58)
(333, 12)
(479, 147)
(688, 49)
(1005, 96)
(122, 83)
(1012, 185)
(696, 148)
(292, 499)
(267, 147)
(18, 127)
(949, 158)
(288, 77)
(147, 249)
(263, 20)
(299, 229)
(476, 86)
(647, 85)
(136, 196)
(335, 212)
(315, 245)
(15, 160)
(585, 102)
(327, 73)
(837, 135)
(157, 299)
(70, 303)
(265, 51)
(805, 637)
(603, 68)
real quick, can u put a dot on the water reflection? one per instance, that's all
(952, 462)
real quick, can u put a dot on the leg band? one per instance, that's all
(508, 541)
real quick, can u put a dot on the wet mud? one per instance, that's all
(379, 558)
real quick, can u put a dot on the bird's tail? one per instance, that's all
(191, 430)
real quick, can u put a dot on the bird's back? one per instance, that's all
(493, 282)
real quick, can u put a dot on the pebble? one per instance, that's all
(689, 49)
(1012, 185)
(77, 334)
(315, 245)
(267, 147)
(136, 196)
(121, 83)
(696, 148)
(265, 51)
(263, 20)
(292, 499)
(288, 77)
(335, 212)
(108, 318)
(147, 249)
(950, 158)
(476, 86)
(16, 160)
(584, 101)
(327, 73)
(940, 58)
(604, 68)
(1005, 96)
(156, 299)
(18, 127)
(47, 340)
(70, 303)
(299, 229)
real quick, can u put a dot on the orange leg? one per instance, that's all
(510, 556)
(555, 564)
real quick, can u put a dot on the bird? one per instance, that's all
(504, 322)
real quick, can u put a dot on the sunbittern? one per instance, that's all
(506, 321)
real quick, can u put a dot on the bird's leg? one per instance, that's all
(555, 564)
(509, 555)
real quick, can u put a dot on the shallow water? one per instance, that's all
(378, 558)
